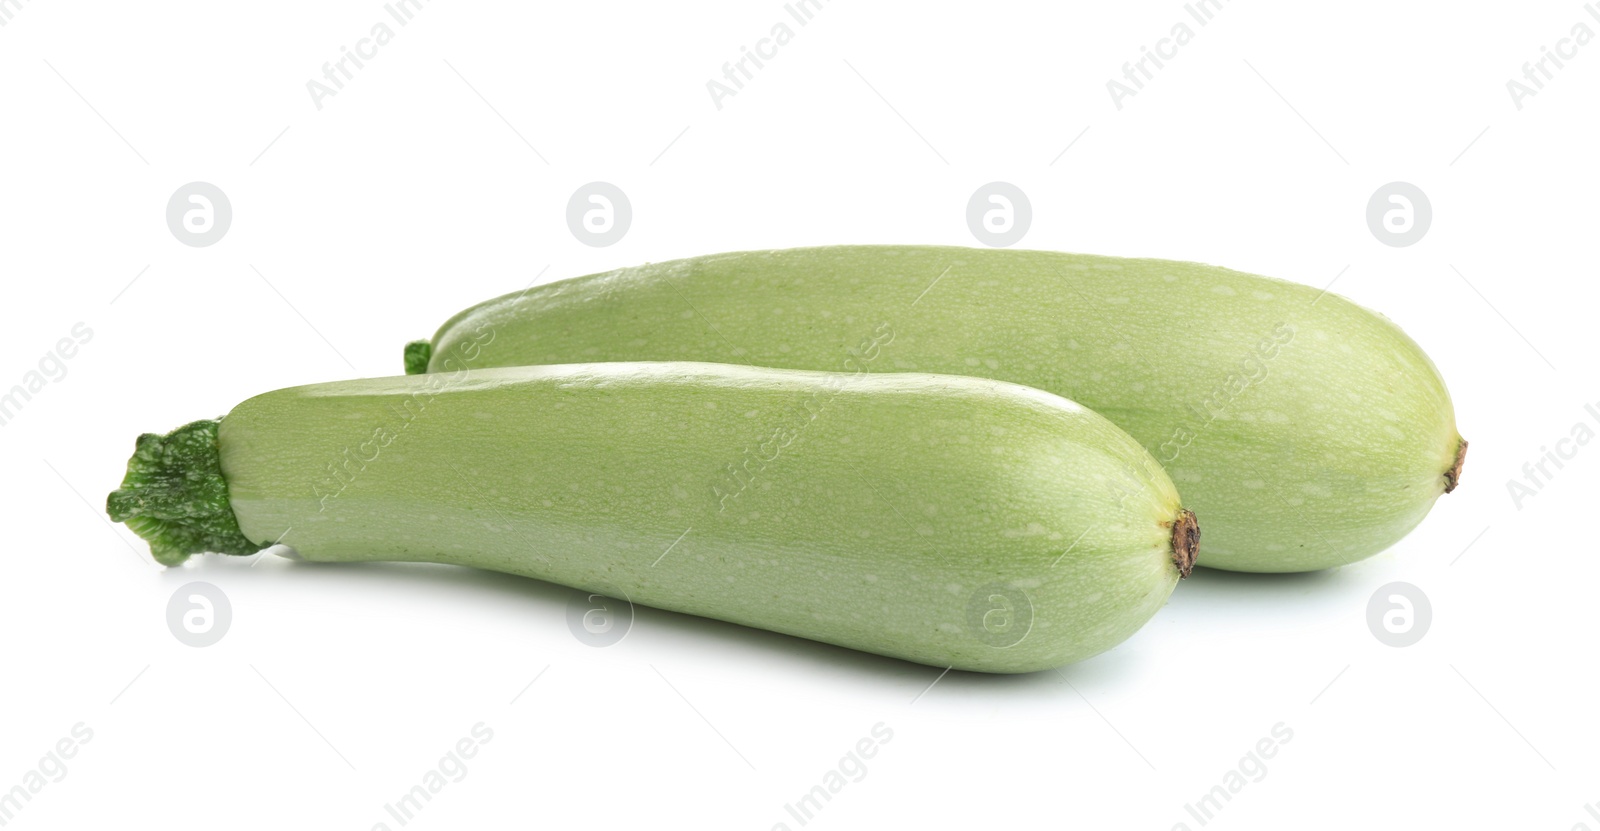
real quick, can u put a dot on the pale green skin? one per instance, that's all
(1333, 455)
(872, 529)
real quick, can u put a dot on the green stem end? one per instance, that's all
(175, 498)
(418, 352)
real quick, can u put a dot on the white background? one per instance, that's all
(439, 177)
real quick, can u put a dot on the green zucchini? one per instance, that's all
(952, 521)
(1308, 431)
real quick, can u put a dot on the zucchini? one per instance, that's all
(952, 521)
(1308, 431)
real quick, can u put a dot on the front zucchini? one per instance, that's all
(1308, 431)
(950, 521)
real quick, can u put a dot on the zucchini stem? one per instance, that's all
(174, 496)
(1452, 477)
(418, 353)
(1185, 542)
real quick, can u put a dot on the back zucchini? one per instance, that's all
(1308, 431)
